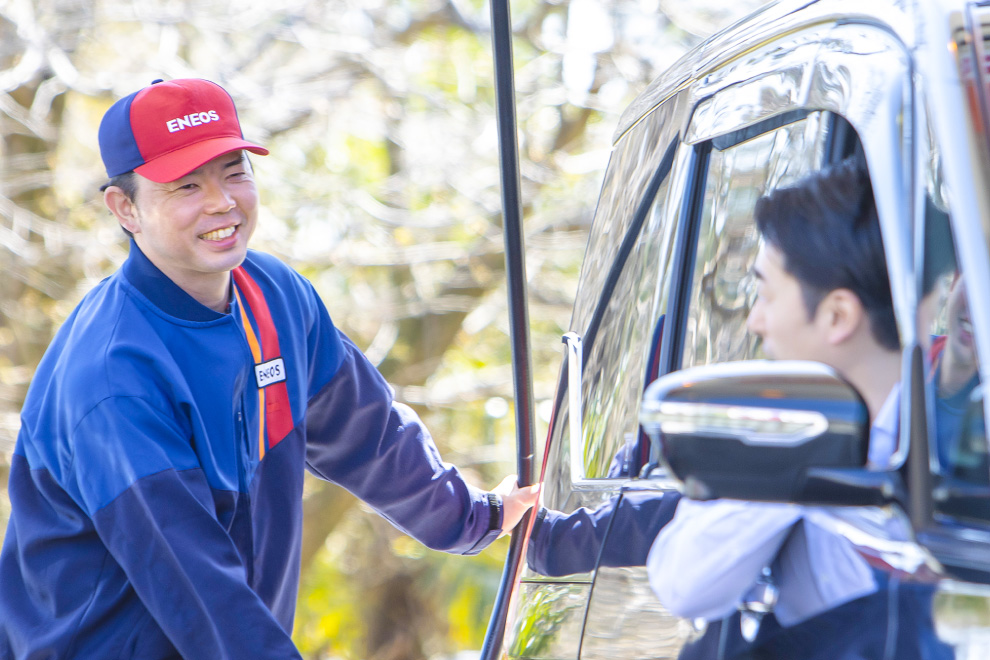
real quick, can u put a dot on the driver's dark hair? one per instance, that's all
(826, 228)
(128, 183)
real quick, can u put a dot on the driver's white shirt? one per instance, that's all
(705, 561)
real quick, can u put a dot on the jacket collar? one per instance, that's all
(163, 293)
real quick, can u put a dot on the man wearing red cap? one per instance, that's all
(156, 485)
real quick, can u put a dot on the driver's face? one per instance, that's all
(779, 316)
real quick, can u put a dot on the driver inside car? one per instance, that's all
(823, 295)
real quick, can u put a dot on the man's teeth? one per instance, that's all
(966, 326)
(219, 234)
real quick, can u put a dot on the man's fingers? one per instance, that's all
(516, 501)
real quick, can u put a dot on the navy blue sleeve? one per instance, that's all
(359, 437)
(155, 513)
(565, 544)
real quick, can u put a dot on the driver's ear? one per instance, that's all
(841, 315)
(123, 207)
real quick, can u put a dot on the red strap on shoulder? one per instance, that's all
(278, 411)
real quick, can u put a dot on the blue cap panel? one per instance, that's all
(118, 148)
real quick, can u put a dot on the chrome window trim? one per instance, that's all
(763, 425)
(818, 85)
(760, 28)
(575, 405)
(601, 485)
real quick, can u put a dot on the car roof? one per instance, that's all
(763, 25)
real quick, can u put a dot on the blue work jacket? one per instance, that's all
(157, 481)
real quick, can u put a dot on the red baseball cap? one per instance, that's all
(168, 129)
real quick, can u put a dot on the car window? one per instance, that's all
(615, 369)
(722, 285)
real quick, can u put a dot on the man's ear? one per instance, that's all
(122, 207)
(842, 315)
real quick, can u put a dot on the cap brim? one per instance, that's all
(176, 164)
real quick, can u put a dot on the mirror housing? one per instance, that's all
(774, 431)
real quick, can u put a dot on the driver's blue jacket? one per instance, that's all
(156, 485)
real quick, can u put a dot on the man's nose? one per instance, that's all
(218, 198)
(754, 322)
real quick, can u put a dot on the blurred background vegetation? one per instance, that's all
(382, 187)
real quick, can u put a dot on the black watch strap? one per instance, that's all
(494, 512)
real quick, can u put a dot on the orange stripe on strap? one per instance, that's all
(256, 354)
(278, 411)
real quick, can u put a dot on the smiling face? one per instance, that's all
(960, 353)
(194, 229)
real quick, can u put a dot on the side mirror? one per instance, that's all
(775, 431)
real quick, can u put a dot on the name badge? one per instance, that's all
(269, 373)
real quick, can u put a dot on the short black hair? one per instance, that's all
(827, 229)
(128, 183)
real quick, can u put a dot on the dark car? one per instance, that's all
(666, 288)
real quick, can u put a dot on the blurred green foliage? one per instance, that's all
(549, 624)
